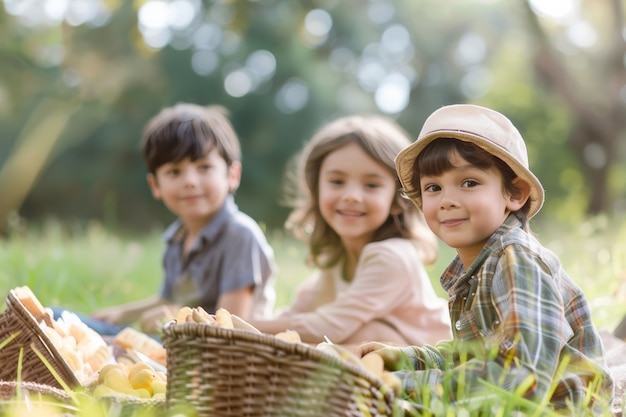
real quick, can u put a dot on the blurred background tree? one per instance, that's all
(79, 79)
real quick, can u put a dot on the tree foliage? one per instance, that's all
(77, 86)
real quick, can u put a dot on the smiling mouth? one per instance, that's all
(452, 222)
(351, 213)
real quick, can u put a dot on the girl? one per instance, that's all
(368, 243)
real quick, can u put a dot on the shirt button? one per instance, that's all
(458, 325)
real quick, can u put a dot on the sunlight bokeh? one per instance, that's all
(555, 9)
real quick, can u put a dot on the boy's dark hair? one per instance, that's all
(188, 131)
(435, 160)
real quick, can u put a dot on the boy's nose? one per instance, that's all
(447, 201)
(190, 177)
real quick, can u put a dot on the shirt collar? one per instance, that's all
(455, 275)
(176, 231)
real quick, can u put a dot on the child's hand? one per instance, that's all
(368, 347)
(111, 315)
(152, 320)
(391, 355)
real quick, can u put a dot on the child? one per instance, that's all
(215, 256)
(519, 320)
(367, 242)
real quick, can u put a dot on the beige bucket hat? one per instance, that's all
(483, 127)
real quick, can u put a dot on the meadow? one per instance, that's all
(86, 266)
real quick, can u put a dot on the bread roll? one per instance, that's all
(289, 336)
(130, 338)
(26, 296)
(223, 319)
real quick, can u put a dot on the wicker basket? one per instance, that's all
(29, 398)
(114, 405)
(17, 321)
(9, 390)
(129, 406)
(223, 373)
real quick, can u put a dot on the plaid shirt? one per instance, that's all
(519, 322)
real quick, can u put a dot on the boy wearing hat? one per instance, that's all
(519, 321)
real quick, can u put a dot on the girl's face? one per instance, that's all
(355, 195)
(195, 190)
(465, 205)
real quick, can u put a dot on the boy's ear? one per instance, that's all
(234, 176)
(154, 186)
(518, 200)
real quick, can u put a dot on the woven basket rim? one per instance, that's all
(127, 399)
(35, 387)
(171, 328)
(52, 354)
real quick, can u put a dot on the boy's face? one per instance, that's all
(195, 190)
(465, 205)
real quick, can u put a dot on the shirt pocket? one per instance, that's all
(467, 326)
(476, 318)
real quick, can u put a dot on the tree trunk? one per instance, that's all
(594, 131)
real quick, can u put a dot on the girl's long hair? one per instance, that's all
(382, 139)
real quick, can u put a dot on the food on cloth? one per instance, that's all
(138, 380)
(84, 350)
(132, 339)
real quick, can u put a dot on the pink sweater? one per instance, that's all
(390, 299)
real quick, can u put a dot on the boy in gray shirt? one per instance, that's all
(215, 256)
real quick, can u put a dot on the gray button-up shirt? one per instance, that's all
(231, 253)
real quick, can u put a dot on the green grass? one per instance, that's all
(84, 267)
(594, 255)
(87, 267)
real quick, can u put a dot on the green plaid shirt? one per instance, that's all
(519, 322)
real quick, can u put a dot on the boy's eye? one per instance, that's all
(204, 167)
(470, 183)
(431, 188)
(335, 181)
(372, 185)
